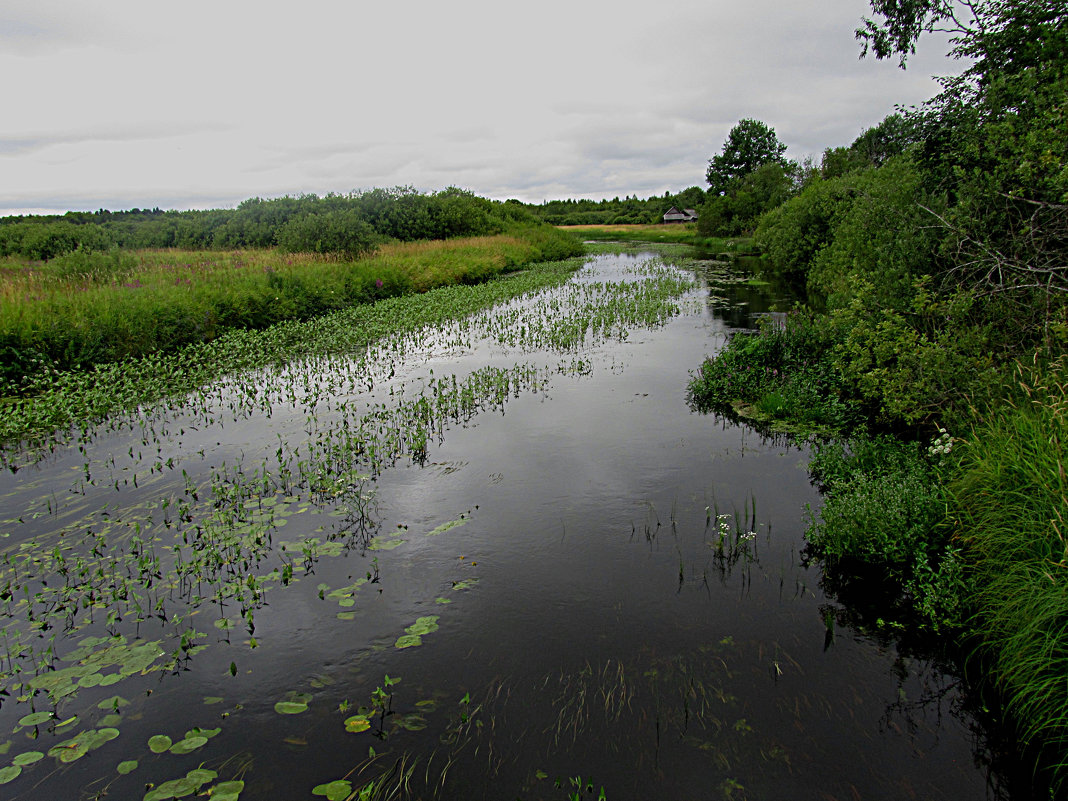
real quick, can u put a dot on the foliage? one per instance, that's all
(882, 519)
(780, 371)
(400, 213)
(342, 232)
(747, 198)
(1008, 510)
(749, 145)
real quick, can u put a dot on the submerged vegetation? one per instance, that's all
(933, 253)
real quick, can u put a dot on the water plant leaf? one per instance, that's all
(446, 526)
(35, 718)
(409, 641)
(357, 723)
(212, 699)
(188, 745)
(114, 702)
(290, 707)
(10, 773)
(126, 766)
(424, 625)
(27, 758)
(227, 791)
(337, 790)
(159, 743)
(199, 732)
(346, 615)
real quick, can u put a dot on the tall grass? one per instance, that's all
(1009, 507)
(91, 308)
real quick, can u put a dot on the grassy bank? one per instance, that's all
(84, 309)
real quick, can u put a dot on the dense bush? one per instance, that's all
(341, 232)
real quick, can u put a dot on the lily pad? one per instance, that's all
(128, 766)
(290, 707)
(409, 641)
(357, 723)
(159, 743)
(35, 718)
(188, 745)
(337, 790)
(10, 773)
(227, 791)
(29, 758)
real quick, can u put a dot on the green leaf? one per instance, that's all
(10, 773)
(337, 790)
(159, 743)
(409, 641)
(22, 760)
(290, 707)
(188, 745)
(357, 723)
(35, 718)
(127, 766)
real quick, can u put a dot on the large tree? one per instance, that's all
(750, 144)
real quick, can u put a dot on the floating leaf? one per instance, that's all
(110, 720)
(10, 773)
(440, 600)
(159, 743)
(212, 699)
(409, 641)
(357, 723)
(384, 545)
(337, 790)
(35, 718)
(199, 732)
(115, 702)
(227, 791)
(446, 526)
(346, 615)
(28, 758)
(128, 766)
(424, 625)
(290, 707)
(202, 775)
(188, 745)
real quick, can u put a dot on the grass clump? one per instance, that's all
(1008, 504)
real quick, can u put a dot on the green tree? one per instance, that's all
(750, 144)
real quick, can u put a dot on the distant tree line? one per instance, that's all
(337, 223)
(628, 211)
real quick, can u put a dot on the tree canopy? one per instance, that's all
(750, 144)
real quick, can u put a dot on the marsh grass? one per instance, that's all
(1009, 508)
(84, 309)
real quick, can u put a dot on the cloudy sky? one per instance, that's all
(118, 104)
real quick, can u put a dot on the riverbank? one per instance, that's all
(82, 309)
(957, 529)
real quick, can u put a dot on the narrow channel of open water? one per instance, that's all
(587, 622)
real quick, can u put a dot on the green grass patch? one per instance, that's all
(1008, 506)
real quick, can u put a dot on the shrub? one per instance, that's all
(341, 232)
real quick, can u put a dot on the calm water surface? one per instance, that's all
(585, 620)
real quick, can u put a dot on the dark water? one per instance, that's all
(588, 624)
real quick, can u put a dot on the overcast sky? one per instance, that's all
(119, 104)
